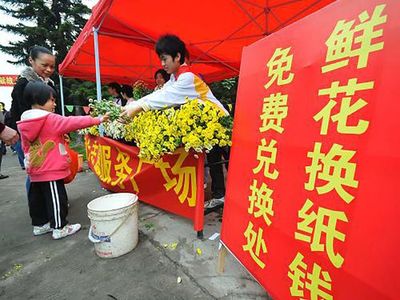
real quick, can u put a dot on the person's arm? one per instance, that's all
(172, 94)
(8, 135)
(131, 109)
(65, 125)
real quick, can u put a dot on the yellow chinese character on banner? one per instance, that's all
(274, 111)
(9, 80)
(261, 202)
(317, 286)
(349, 90)
(92, 150)
(122, 170)
(138, 170)
(102, 167)
(297, 273)
(346, 108)
(279, 64)
(312, 225)
(184, 180)
(265, 160)
(88, 147)
(315, 282)
(255, 240)
(3, 80)
(335, 168)
(344, 36)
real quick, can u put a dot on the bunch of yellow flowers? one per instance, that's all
(195, 125)
(93, 130)
(155, 133)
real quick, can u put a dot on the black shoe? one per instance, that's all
(3, 176)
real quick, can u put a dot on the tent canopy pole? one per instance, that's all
(62, 95)
(97, 62)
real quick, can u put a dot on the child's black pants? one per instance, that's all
(48, 202)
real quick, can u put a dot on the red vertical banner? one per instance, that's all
(173, 183)
(311, 206)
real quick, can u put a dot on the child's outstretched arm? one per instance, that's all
(67, 124)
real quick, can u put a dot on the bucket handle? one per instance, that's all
(99, 239)
(94, 239)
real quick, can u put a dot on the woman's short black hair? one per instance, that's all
(171, 45)
(127, 90)
(35, 51)
(37, 92)
(163, 73)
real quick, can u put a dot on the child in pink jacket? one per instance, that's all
(46, 160)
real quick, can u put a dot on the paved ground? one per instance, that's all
(41, 268)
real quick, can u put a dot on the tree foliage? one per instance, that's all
(54, 24)
(225, 91)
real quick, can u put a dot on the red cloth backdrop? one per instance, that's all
(174, 183)
(312, 206)
(214, 32)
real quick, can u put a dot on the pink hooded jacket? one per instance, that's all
(42, 136)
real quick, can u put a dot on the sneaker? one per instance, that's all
(66, 231)
(39, 230)
(214, 203)
(205, 185)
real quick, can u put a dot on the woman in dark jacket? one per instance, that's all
(43, 64)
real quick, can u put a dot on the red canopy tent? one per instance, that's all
(214, 31)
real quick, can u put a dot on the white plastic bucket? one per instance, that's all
(114, 224)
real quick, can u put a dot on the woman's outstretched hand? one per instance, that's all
(130, 110)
